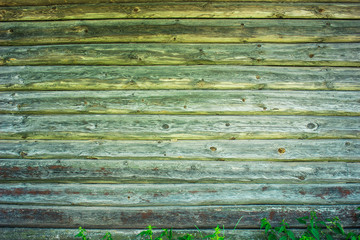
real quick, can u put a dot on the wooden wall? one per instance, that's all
(117, 114)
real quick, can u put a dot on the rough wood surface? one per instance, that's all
(177, 77)
(182, 10)
(307, 54)
(167, 127)
(161, 217)
(137, 195)
(237, 150)
(179, 31)
(163, 171)
(63, 2)
(222, 102)
(131, 234)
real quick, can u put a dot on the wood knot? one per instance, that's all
(165, 126)
(136, 10)
(281, 150)
(311, 125)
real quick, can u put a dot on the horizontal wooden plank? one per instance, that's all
(179, 31)
(191, 194)
(236, 150)
(324, 54)
(167, 127)
(177, 77)
(221, 102)
(182, 10)
(165, 217)
(58, 2)
(131, 234)
(163, 171)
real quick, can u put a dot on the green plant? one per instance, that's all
(315, 230)
(82, 233)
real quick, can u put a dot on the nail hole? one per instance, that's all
(301, 177)
(213, 149)
(136, 9)
(311, 55)
(264, 108)
(243, 99)
(227, 124)
(258, 45)
(257, 77)
(347, 144)
(53, 8)
(165, 126)
(185, 106)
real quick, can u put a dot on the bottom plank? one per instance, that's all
(129, 234)
(167, 217)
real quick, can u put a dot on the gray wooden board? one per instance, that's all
(131, 234)
(236, 150)
(177, 77)
(161, 217)
(167, 127)
(179, 31)
(304, 54)
(182, 10)
(186, 194)
(167, 171)
(222, 102)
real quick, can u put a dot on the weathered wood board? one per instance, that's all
(162, 217)
(131, 234)
(64, 2)
(232, 150)
(182, 10)
(167, 127)
(191, 194)
(179, 31)
(168, 171)
(121, 114)
(177, 77)
(306, 54)
(224, 102)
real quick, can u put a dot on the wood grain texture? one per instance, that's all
(307, 54)
(221, 102)
(64, 2)
(221, 150)
(182, 10)
(184, 217)
(131, 234)
(179, 31)
(164, 171)
(71, 78)
(167, 127)
(137, 195)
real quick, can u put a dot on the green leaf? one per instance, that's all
(282, 229)
(283, 238)
(267, 228)
(302, 220)
(329, 237)
(315, 233)
(291, 235)
(340, 228)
